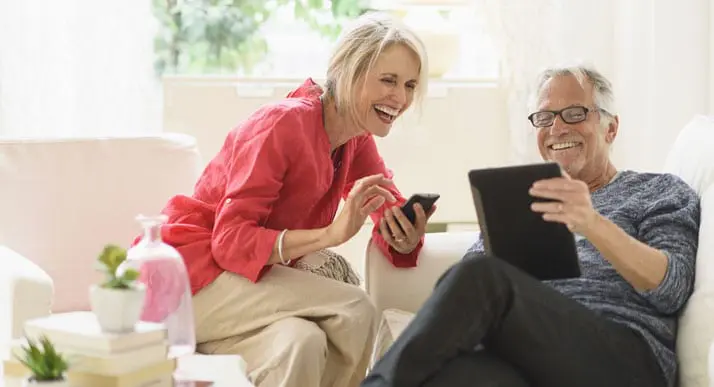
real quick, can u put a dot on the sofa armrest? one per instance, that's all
(406, 289)
(25, 293)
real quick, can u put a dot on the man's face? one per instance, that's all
(582, 147)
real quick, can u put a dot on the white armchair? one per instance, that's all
(398, 293)
(62, 200)
(20, 281)
(406, 289)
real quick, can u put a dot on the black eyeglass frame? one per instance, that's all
(557, 113)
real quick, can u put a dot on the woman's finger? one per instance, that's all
(420, 219)
(410, 232)
(394, 228)
(379, 190)
(362, 198)
(384, 230)
(364, 184)
(372, 205)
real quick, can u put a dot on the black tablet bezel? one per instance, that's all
(515, 233)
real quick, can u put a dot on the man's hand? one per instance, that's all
(570, 205)
(643, 266)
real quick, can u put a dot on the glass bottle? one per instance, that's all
(168, 290)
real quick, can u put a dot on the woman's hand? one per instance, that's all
(399, 232)
(571, 203)
(367, 195)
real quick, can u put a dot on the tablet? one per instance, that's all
(515, 233)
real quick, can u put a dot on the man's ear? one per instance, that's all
(611, 130)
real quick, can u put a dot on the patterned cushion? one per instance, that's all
(327, 263)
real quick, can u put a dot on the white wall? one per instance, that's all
(658, 54)
(76, 68)
(711, 57)
(662, 75)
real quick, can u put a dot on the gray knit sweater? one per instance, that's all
(662, 211)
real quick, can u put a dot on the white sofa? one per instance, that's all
(62, 200)
(400, 292)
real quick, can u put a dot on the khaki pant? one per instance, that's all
(293, 328)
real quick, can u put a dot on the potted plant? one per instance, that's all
(47, 366)
(118, 301)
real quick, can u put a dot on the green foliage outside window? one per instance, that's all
(220, 36)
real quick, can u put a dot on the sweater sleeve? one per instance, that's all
(256, 160)
(368, 161)
(478, 246)
(671, 225)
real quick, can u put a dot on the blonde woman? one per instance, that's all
(269, 198)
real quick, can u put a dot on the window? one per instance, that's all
(294, 38)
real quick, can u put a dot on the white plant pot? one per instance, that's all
(117, 310)
(57, 383)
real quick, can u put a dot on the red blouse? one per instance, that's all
(273, 172)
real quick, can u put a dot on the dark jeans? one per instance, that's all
(530, 335)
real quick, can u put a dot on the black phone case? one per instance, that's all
(426, 201)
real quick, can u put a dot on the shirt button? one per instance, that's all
(228, 201)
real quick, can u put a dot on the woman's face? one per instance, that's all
(389, 89)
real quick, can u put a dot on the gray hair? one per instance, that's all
(603, 95)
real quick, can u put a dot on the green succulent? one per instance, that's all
(110, 259)
(43, 361)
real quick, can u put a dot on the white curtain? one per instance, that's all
(77, 68)
(656, 52)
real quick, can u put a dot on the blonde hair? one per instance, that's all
(357, 51)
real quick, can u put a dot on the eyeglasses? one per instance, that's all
(570, 115)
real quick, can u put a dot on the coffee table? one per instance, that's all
(217, 370)
(192, 371)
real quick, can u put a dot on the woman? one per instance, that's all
(270, 197)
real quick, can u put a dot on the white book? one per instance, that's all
(118, 363)
(81, 332)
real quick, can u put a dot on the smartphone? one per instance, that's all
(426, 200)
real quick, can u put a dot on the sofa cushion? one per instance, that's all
(696, 330)
(692, 154)
(692, 159)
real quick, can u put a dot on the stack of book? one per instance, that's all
(100, 359)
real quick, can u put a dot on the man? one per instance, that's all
(490, 324)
